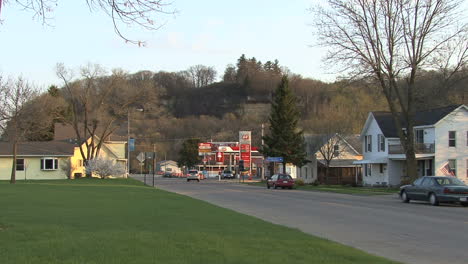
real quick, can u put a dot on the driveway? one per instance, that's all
(381, 225)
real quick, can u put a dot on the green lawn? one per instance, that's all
(122, 221)
(341, 189)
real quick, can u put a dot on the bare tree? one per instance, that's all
(143, 13)
(390, 42)
(200, 75)
(14, 97)
(97, 102)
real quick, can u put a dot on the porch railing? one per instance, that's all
(419, 148)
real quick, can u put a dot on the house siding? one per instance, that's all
(33, 169)
(456, 121)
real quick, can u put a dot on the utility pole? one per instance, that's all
(263, 158)
(154, 160)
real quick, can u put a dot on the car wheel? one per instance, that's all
(198, 180)
(464, 204)
(433, 199)
(274, 186)
(404, 197)
(188, 180)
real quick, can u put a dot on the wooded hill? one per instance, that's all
(190, 104)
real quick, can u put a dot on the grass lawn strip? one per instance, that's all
(122, 221)
(340, 189)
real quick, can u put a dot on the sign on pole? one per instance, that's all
(141, 157)
(274, 159)
(204, 148)
(245, 142)
(131, 144)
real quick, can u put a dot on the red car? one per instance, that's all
(280, 180)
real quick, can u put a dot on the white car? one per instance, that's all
(193, 175)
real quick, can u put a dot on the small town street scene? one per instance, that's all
(182, 132)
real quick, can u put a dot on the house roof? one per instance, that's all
(315, 141)
(38, 148)
(421, 118)
(337, 163)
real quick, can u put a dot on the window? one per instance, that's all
(369, 143)
(381, 167)
(453, 166)
(381, 142)
(368, 170)
(419, 134)
(80, 163)
(452, 138)
(427, 182)
(418, 182)
(365, 143)
(49, 164)
(336, 150)
(20, 164)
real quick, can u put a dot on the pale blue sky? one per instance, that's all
(208, 32)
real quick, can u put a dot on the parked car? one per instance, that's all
(436, 190)
(193, 175)
(227, 174)
(167, 174)
(280, 180)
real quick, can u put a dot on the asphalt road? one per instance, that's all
(382, 225)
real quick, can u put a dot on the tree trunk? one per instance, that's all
(13, 168)
(284, 167)
(326, 174)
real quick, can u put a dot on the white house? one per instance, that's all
(345, 150)
(441, 145)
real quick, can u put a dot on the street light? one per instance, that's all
(128, 138)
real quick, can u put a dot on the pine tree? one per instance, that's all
(188, 154)
(284, 138)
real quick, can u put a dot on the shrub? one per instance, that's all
(300, 182)
(316, 183)
(104, 168)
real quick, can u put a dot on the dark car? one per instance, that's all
(436, 190)
(280, 180)
(227, 175)
(167, 174)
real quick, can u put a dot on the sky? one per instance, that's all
(209, 32)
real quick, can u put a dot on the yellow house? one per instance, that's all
(59, 159)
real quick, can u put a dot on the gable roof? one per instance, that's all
(315, 141)
(421, 118)
(38, 148)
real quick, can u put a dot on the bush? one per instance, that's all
(315, 183)
(104, 168)
(300, 182)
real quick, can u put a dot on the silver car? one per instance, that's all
(193, 175)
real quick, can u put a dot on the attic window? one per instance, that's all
(49, 164)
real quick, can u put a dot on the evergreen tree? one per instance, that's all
(284, 138)
(188, 154)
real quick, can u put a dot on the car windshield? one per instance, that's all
(193, 172)
(449, 181)
(284, 177)
(227, 171)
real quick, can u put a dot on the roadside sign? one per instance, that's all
(141, 157)
(131, 144)
(150, 155)
(274, 159)
(204, 148)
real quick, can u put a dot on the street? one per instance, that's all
(381, 225)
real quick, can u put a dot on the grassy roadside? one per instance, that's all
(122, 221)
(340, 189)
